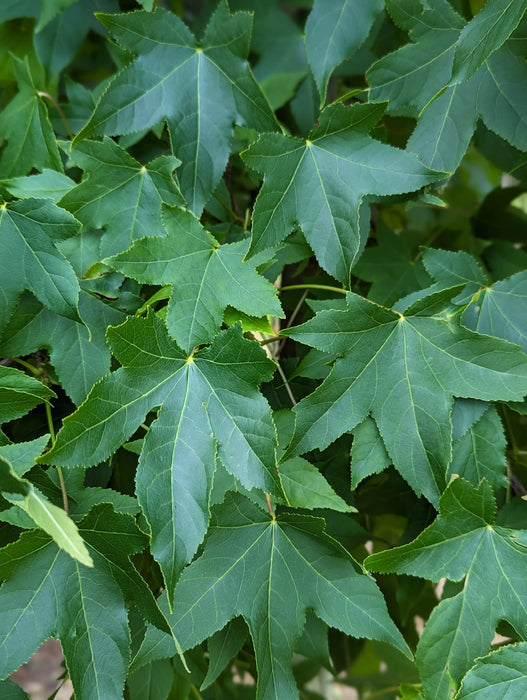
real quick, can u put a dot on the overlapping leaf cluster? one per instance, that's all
(264, 266)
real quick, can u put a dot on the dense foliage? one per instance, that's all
(263, 314)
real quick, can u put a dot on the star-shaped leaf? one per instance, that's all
(29, 258)
(497, 309)
(78, 352)
(411, 76)
(201, 89)
(120, 195)
(320, 183)
(205, 277)
(50, 594)
(271, 571)
(25, 125)
(404, 370)
(463, 541)
(209, 403)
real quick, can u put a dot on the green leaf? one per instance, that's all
(118, 194)
(11, 691)
(19, 8)
(320, 183)
(22, 455)
(44, 514)
(20, 393)
(335, 30)
(200, 89)
(405, 371)
(412, 75)
(84, 498)
(29, 230)
(463, 541)
(49, 594)
(483, 35)
(50, 8)
(279, 43)
(445, 127)
(154, 681)
(478, 447)
(500, 310)
(223, 646)
(500, 674)
(305, 487)
(57, 43)
(209, 402)
(368, 453)
(205, 277)
(49, 184)
(25, 125)
(251, 566)
(78, 352)
(392, 266)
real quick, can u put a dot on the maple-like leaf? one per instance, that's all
(118, 194)
(497, 309)
(205, 277)
(29, 230)
(463, 542)
(50, 594)
(411, 76)
(25, 124)
(271, 571)
(319, 184)
(209, 403)
(404, 370)
(78, 352)
(501, 674)
(201, 89)
(335, 29)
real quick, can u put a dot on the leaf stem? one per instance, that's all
(274, 339)
(286, 384)
(49, 97)
(269, 505)
(51, 429)
(292, 320)
(229, 209)
(27, 365)
(314, 286)
(195, 692)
